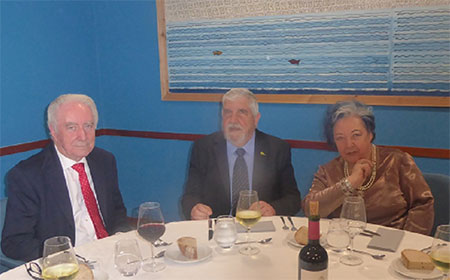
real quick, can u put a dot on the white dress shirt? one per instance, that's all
(84, 228)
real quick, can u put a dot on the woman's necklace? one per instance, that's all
(374, 170)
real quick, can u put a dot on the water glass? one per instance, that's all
(127, 257)
(225, 233)
(337, 238)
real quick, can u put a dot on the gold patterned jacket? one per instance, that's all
(398, 198)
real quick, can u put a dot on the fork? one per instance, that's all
(285, 227)
(161, 242)
(293, 228)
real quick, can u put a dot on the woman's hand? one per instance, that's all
(361, 170)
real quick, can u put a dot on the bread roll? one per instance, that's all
(188, 247)
(301, 235)
(84, 272)
(414, 259)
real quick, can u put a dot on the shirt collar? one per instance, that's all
(67, 162)
(247, 147)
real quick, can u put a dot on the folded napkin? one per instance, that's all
(389, 239)
(258, 227)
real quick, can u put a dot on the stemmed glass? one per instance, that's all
(353, 214)
(59, 260)
(440, 250)
(248, 214)
(151, 227)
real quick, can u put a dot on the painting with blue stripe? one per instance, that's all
(388, 52)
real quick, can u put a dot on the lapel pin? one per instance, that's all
(262, 153)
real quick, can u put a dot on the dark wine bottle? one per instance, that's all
(313, 258)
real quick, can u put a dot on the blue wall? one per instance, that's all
(109, 50)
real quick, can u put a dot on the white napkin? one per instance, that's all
(258, 227)
(389, 239)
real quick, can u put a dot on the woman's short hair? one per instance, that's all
(344, 109)
(53, 108)
(234, 93)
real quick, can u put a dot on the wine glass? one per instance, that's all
(151, 227)
(225, 231)
(248, 214)
(353, 214)
(127, 257)
(59, 260)
(440, 250)
(337, 238)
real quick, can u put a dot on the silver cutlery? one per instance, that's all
(371, 232)
(161, 242)
(263, 241)
(160, 254)
(157, 256)
(285, 227)
(375, 256)
(210, 229)
(428, 249)
(293, 228)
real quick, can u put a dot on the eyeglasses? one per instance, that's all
(34, 270)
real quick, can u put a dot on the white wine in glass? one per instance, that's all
(59, 260)
(353, 214)
(151, 227)
(440, 250)
(248, 214)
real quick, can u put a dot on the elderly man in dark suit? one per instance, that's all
(70, 188)
(211, 187)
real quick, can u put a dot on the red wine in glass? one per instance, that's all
(151, 231)
(151, 227)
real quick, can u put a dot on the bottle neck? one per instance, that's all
(313, 229)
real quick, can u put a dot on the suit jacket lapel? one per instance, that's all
(56, 181)
(220, 150)
(259, 160)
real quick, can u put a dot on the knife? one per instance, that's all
(210, 229)
(371, 232)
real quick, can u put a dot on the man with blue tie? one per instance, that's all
(70, 188)
(240, 157)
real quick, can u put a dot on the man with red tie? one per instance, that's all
(70, 188)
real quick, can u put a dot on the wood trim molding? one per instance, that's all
(295, 144)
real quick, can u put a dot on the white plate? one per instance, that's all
(398, 266)
(174, 254)
(291, 240)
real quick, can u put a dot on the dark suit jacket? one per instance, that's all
(39, 206)
(209, 181)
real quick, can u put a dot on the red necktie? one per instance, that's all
(91, 203)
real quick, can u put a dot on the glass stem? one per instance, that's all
(153, 256)
(248, 238)
(351, 244)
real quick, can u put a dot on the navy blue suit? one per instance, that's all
(273, 175)
(39, 205)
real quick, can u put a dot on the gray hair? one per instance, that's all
(234, 93)
(53, 108)
(344, 109)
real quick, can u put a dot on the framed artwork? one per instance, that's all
(296, 51)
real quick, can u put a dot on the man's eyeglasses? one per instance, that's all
(34, 270)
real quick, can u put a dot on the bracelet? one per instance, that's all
(346, 187)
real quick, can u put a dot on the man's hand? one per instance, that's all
(265, 208)
(200, 212)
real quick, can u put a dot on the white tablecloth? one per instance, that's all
(277, 260)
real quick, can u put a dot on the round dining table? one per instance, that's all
(277, 259)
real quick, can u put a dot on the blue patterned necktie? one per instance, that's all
(240, 176)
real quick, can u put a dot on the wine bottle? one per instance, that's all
(313, 258)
